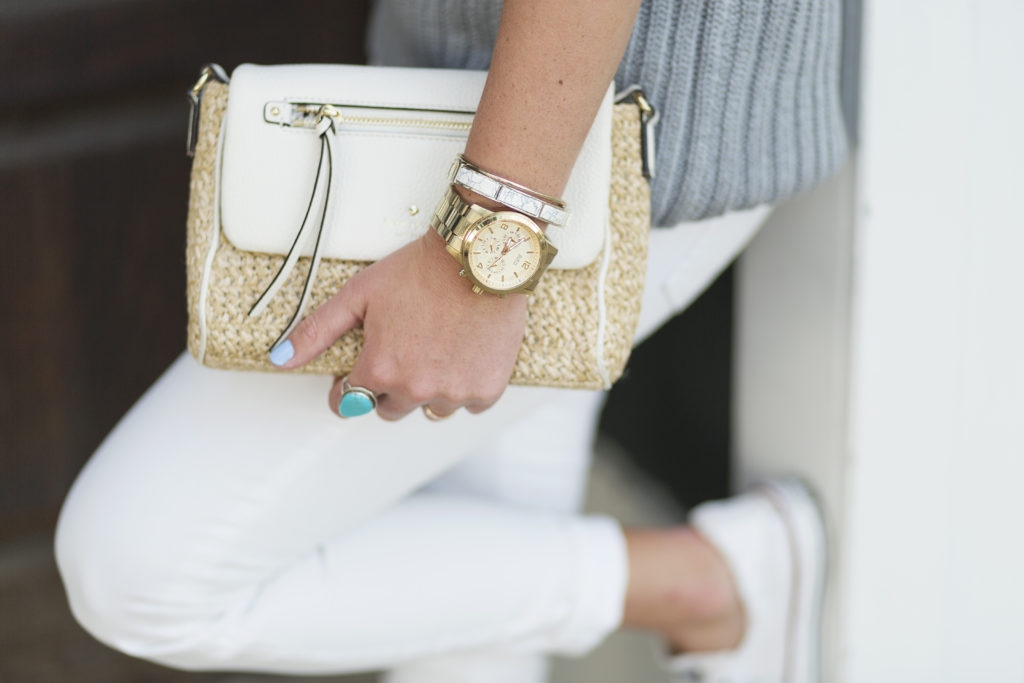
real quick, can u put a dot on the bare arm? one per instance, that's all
(552, 63)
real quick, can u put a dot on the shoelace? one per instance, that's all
(325, 130)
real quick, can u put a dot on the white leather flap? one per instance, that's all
(400, 130)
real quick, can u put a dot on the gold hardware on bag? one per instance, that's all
(641, 101)
(195, 96)
(648, 119)
(306, 115)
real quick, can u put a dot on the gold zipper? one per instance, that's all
(307, 114)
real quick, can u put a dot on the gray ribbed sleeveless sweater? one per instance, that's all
(748, 90)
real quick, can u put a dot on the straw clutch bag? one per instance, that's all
(304, 174)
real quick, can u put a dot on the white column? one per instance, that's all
(880, 351)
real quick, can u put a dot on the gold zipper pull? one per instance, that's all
(329, 110)
(298, 115)
(195, 97)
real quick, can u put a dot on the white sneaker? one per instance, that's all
(773, 539)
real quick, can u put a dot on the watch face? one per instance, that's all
(502, 251)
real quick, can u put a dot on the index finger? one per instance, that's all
(321, 328)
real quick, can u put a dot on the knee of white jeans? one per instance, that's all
(489, 666)
(119, 594)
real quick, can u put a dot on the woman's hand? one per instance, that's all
(428, 339)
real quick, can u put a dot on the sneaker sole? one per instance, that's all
(803, 517)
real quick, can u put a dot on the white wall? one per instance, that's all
(881, 350)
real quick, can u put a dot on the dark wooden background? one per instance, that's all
(93, 193)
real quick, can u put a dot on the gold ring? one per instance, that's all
(432, 416)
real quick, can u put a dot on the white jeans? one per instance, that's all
(230, 521)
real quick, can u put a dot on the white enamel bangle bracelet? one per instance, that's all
(507, 193)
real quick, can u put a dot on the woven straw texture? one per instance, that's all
(560, 344)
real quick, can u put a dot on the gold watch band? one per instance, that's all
(452, 218)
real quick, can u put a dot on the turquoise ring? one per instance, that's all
(355, 401)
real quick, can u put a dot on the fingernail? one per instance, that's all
(282, 353)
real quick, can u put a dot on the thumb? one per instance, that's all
(321, 328)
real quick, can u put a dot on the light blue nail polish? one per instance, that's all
(354, 404)
(282, 353)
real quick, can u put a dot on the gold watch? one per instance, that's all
(501, 252)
